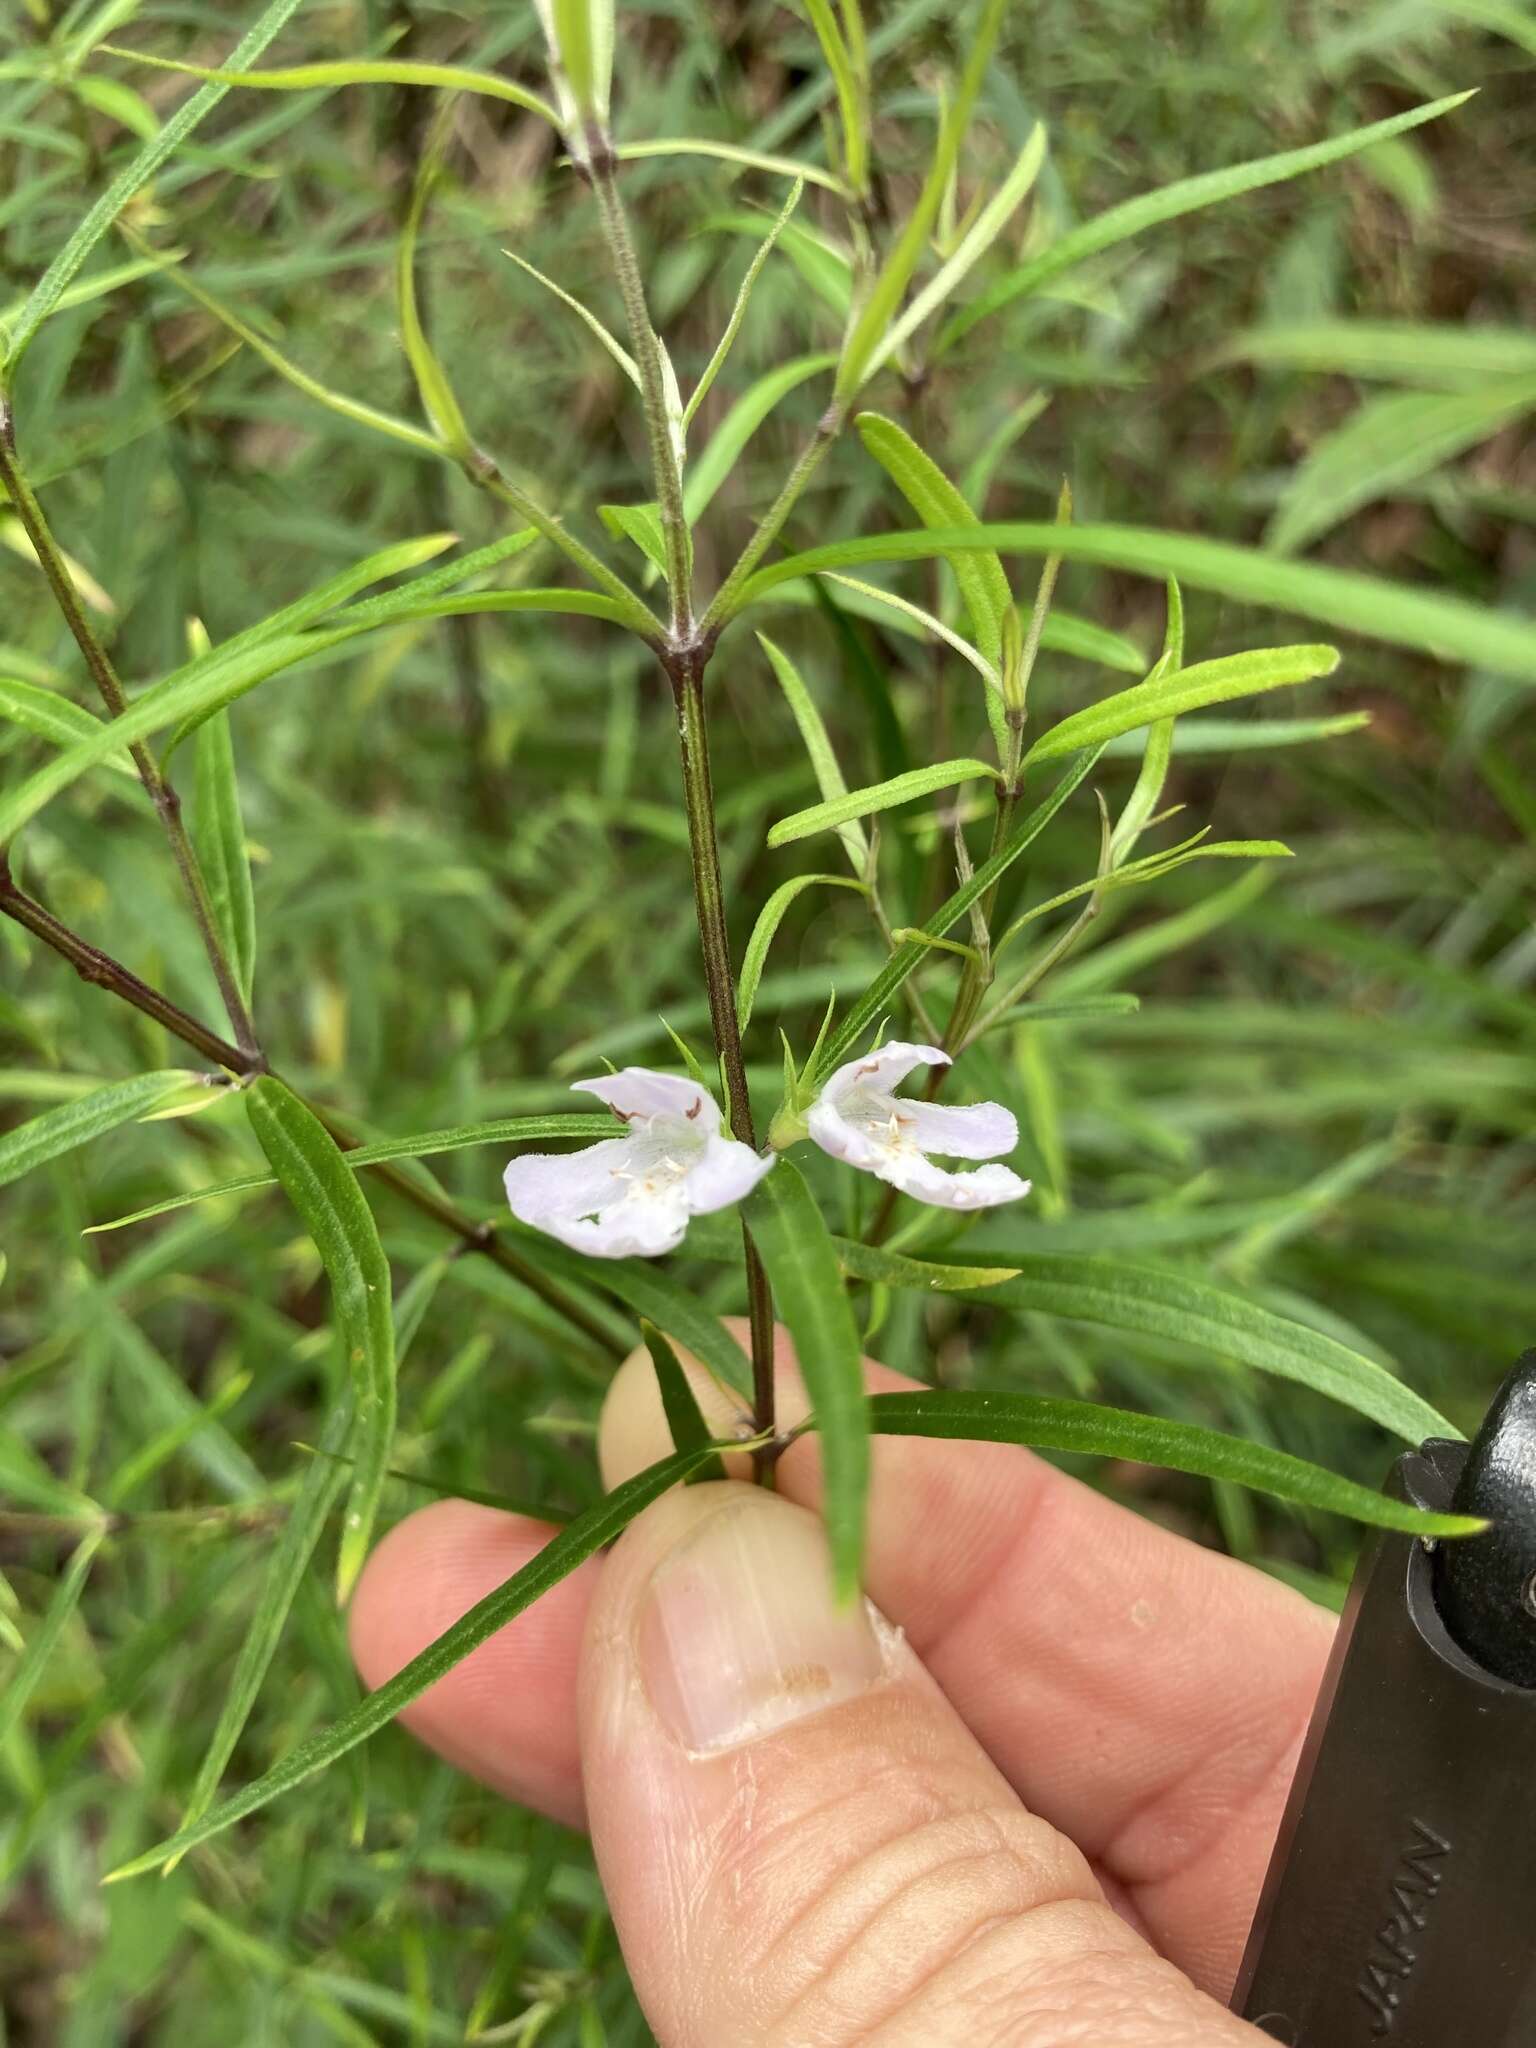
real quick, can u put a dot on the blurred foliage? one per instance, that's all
(470, 866)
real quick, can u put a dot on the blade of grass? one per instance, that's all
(318, 1492)
(1186, 196)
(575, 1543)
(51, 286)
(335, 1212)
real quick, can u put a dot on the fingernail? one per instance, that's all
(739, 1633)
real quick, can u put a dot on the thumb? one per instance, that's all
(801, 1841)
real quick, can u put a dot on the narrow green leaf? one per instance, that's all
(432, 386)
(801, 1259)
(1071, 1010)
(1063, 633)
(1158, 1303)
(575, 1543)
(561, 598)
(355, 410)
(387, 606)
(690, 1432)
(718, 458)
(723, 347)
(1391, 351)
(218, 833)
(1222, 736)
(594, 326)
(880, 796)
(216, 679)
(852, 99)
(873, 1004)
(54, 281)
(1391, 440)
(44, 1639)
(60, 1130)
(732, 153)
(118, 102)
(351, 71)
(824, 762)
(974, 244)
(335, 1212)
(317, 1495)
(584, 54)
(771, 916)
(419, 1145)
(380, 567)
(1143, 801)
(1050, 1424)
(652, 1292)
(886, 601)
(882, 1268)
(1449, 628)
(52, 717)
(890, 286)
(1188, 195)
(640, 524)
(1185, 689)
(821, 262)
(935, 500)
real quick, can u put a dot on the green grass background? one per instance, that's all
(471, 878)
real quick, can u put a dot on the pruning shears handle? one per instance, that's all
(1400, 1904)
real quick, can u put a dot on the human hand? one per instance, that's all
(1030, 1800)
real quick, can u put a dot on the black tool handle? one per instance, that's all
(1400, 1905)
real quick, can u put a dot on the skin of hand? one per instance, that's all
(1026, 1793)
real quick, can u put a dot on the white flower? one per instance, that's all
(632, 1196)
(859, 1117)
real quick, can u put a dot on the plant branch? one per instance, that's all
(723, 604)
(166, 802)
(685, 671)
(483, 470)
(92, 965)
(685, 659)
(653, 387)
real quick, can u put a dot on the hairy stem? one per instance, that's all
(99, 968)
(653, 390)
(685, 659)
(769, 527)
(686, 674)
(482, 469)
(164, 798)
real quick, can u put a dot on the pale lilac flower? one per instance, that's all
(859, 1117)
(631, 1197)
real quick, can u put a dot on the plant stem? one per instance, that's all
(653, 387)
(723, 603)
(686, 674)
(482, 469)
(685, 658)
(1033, 976)
(92, 965)
(166, 802)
